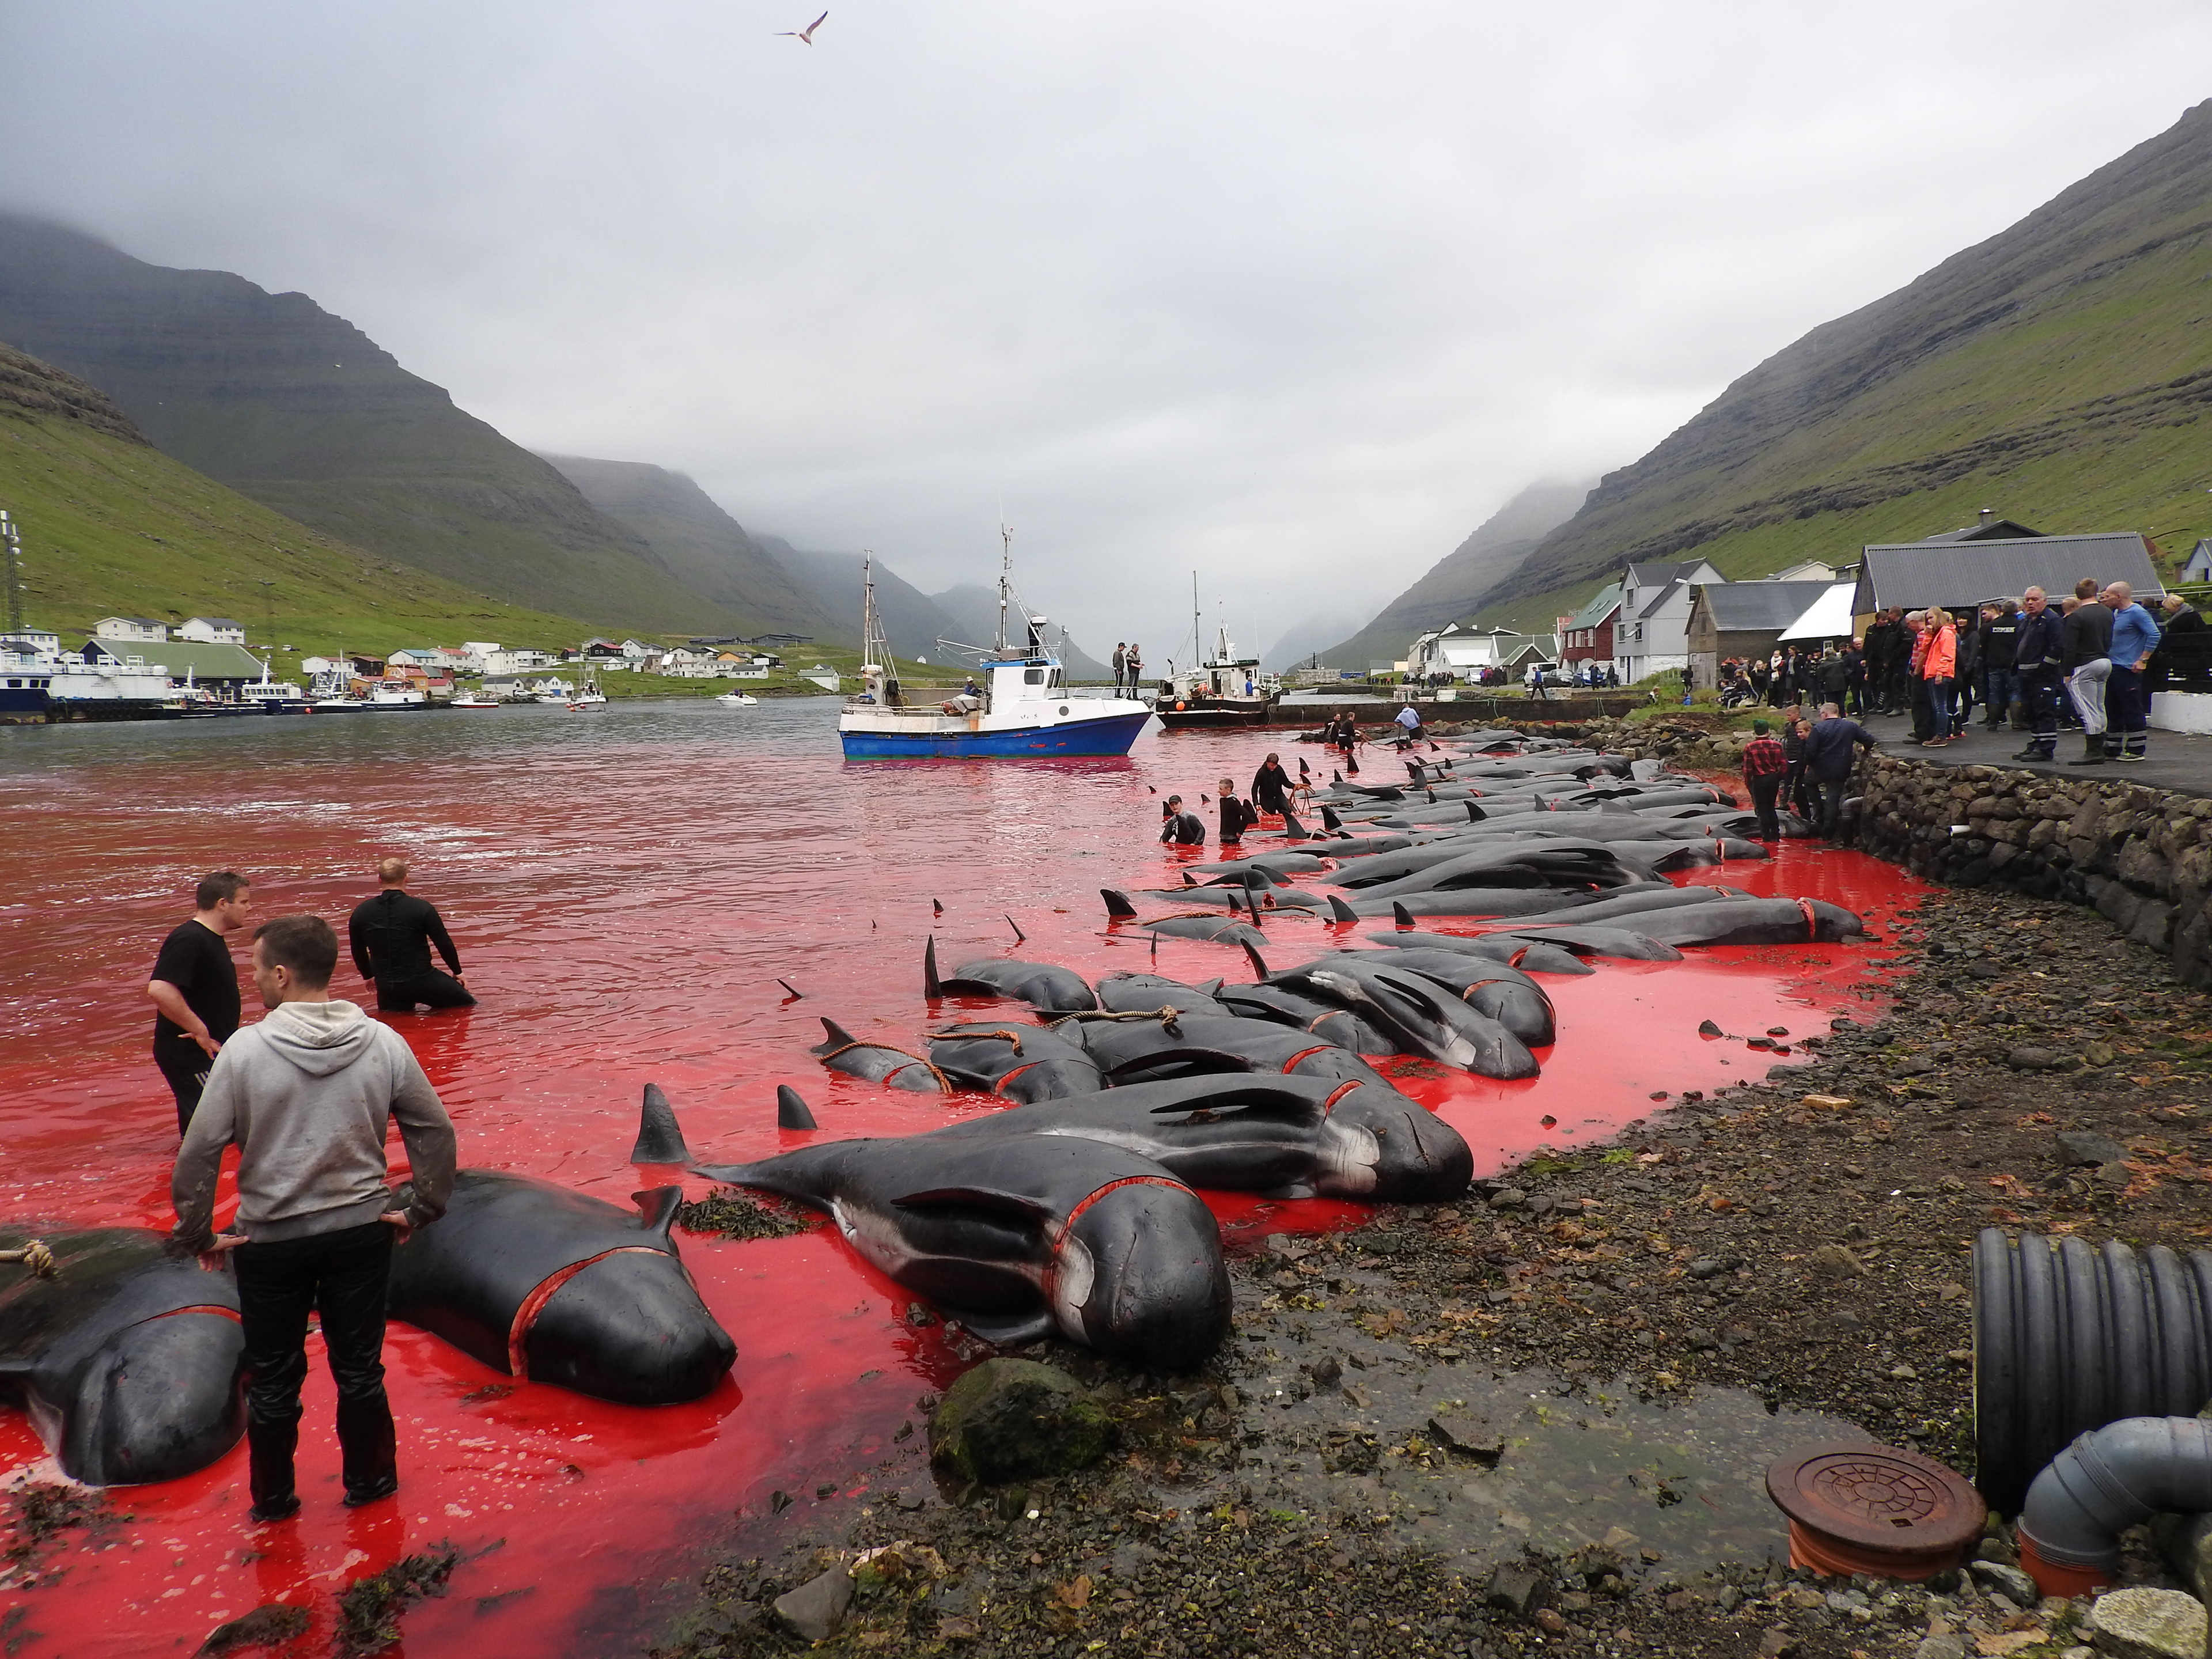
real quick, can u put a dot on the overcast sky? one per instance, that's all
(1292, 293)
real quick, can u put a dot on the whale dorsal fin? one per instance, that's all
(1339, 911)
(930, 987)
(980, 1198)
(659, 1137)
(790, 1111)
(838, 1035)
(1118, 905)
(657, 1208)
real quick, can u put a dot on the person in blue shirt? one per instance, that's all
(2127, 694)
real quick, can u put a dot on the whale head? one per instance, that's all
(1137, 1273)
(629, 1326)
(160, 1398)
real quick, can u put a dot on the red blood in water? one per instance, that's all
(628, 889)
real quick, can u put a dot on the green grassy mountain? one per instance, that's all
(704, 548)
(111, 526)
(298, 408)
(2059, 372)
(1462, 579)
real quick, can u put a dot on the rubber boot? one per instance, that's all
(2016, 711)
(2093, 751)
(369, 1450)
(269, 1449)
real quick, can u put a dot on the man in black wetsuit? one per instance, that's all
(195, 985)
(1236, 816)
(391, 935)
(1271, 786)
(1179, 828)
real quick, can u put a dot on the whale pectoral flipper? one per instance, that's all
(657, 1207)
(982, 1198)
(1008, 1330)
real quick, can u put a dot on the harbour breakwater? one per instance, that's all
(2139, 856)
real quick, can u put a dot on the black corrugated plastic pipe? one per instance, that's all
(2069, 1336)
(2103, 1484)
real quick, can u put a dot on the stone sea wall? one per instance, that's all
(2141, 856)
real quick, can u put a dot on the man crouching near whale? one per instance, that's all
(306, 1094)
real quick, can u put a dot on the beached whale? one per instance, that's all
(1515, 950)
(877, 1062)
(1019, 1234)
(1504, 992)
(1197, 1044)
(1286, 1136)
(1146, 994)
(1019, 1062)
(1730, 921)
(1042, 985)
(1223, 929)
(1424, 1017)
(127, 1360)
(557, 1286)
(1281, 1006)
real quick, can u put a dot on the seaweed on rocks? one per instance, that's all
(733, 1214)
(369, 1608)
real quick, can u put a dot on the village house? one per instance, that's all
(142, 629)
(1652, 632)
(1587, 637)
(1447, 654)
(1959, 569)
(213, 630)
(1741, 621)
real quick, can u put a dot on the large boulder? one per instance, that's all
(1014, 1420)
(2147, 1623)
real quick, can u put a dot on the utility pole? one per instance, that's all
(14, 549)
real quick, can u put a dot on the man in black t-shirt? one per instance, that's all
(195, 986)
(391, 935)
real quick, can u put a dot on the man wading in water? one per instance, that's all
(307, 1096)
(391, 935)
(195, 985)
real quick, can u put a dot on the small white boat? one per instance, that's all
(473, 700)
(589, 697)
(737, 700)
(389, 694)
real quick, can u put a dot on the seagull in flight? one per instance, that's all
(804, 36)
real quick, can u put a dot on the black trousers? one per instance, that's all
(437, 989)
(1827, 802)
(2039, 690)
(185, 1071)
(1763, 792)
(342, 1277)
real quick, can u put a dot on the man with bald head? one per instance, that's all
(391, 935)
(2037, 655)
(2127, 694)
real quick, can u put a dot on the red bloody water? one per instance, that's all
(627, 887)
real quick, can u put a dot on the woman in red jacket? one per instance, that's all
(1939, 667)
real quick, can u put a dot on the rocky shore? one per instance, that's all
(1534, 1421)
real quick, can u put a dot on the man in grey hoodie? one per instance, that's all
(307, 1095)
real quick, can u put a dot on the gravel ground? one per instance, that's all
(1535, 1420)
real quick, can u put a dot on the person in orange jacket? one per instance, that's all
(1939, 668)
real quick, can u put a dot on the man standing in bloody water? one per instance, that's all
(391, 935)
(308, 1096)
(1271, 786)
(195, 986)
(1236, 816)
(1765, 765)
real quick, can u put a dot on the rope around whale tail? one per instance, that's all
(33, 1254)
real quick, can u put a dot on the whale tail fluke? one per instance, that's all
(659, 1137)
(1401, 913)
(1259, 962)
(657, 1207)
(1339, 911)
(790, 1111)
(930, 986)
(1292, 829)
(1118, 905)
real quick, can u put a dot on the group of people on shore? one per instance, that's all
(306, 1094)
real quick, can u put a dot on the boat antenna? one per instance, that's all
(1197, 625)
(1006, 579)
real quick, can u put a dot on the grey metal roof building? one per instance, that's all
(1751, 607)
(1959, 575)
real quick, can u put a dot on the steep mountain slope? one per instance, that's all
(974, 609)
(1458, 582)
(912, 621)
(2057, 372)
(111, 526)
(702, 546)
(299, 410)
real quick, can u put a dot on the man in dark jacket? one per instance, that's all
(1236, 816)
(1179, 828)
(2037, 658)
(2000, 639)
(194, 984)
(1828, 755)
(391, 935)
(2086, 662)
(1875, 649)
(1271, 786)
(2179, 656)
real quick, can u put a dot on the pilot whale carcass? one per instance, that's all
(1020, 1062)
(557, 1286)
(1019, 1234)
(1043, 985)
(126, 1358)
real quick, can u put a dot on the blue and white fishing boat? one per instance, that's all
(1019, 707)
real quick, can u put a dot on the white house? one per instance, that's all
(213, 630)
(2199, 567)
(474, 652)
(516, 661)
(131, 628)
(432, 657)
(35, 640)
(1464, 656)
(1651, 631)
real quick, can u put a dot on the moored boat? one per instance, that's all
(1225, 690)
(1022, 708)
(737, 700)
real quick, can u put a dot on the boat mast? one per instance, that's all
(1006, 580)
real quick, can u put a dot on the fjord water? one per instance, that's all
(627, 888)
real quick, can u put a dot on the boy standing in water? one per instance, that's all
(1236, 816)
(194, 984)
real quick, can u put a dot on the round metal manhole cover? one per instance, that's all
(1876, 1500)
